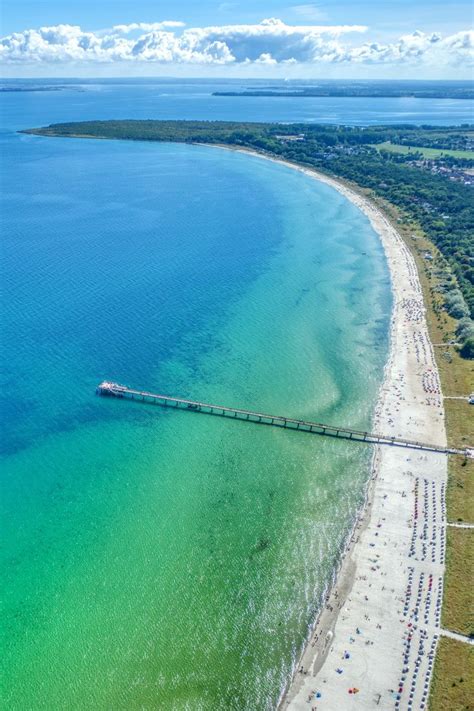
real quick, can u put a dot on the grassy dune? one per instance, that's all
(453, 678)
(458, 608)
(460, 492)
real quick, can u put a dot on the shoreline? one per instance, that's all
(334, 668)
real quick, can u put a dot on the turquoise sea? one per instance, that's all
(156, 559)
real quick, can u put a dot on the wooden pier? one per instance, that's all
(110, 389)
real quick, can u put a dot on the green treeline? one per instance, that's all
(430, 193)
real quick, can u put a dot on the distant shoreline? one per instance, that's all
(467, 95)
(27, 89)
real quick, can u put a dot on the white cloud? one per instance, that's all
(271, 42)
(418, 47)
(267, 59)
(147, 26)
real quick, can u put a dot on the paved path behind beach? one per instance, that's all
(459, 637)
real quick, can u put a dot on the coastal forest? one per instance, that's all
(426, 172)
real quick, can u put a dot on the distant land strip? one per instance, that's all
(350, 92)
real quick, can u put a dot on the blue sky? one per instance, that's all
(388, 16)
(310, 39)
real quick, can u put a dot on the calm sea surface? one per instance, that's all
(154, 559)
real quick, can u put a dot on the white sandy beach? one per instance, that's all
(374, 643)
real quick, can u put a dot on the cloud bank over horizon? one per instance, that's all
(269, 43)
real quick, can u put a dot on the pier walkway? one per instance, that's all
(110, 389)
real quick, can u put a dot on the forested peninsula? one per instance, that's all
(426, 173)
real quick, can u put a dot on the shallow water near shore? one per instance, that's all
(162, 559)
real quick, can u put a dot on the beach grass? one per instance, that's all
(453, 678)
(458, 610)
(457, 374)
(460, 490)
(459, 416)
